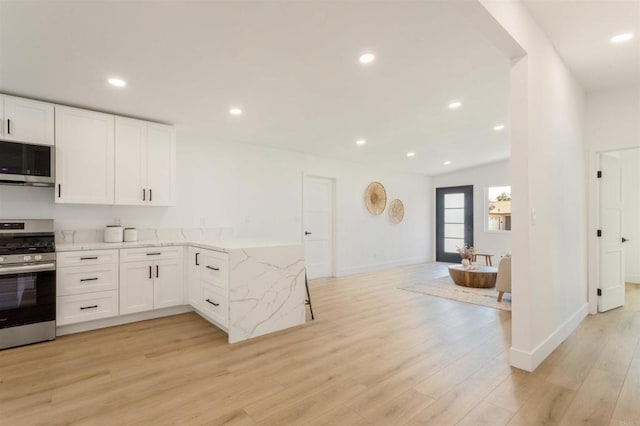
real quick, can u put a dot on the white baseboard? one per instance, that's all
(530, 360)
(378, 266)
(121, 319)
(633, 279)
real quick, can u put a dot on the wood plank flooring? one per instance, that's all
(375, 355)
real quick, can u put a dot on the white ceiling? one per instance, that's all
(581, 31)
(292, 67)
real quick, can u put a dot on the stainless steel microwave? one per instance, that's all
(26, 164)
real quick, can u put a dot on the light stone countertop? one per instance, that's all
(222, 246)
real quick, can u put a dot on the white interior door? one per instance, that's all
(318, 226)
(612, 258)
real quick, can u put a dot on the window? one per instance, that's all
(499, 208)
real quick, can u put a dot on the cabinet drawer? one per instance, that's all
(150, 254)
(215, 269)
(86, 307)
(86, 279)
(214, 304)
(86, 257)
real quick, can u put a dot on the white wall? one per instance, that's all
(612, 123)
(494, 174)
(258, 192)
(548, 172)
(631, 212)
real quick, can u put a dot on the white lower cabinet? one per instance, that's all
(215, 304)
(150, 284)
(87, 286)
(209, 284)
(86, 307)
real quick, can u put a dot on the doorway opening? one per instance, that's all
(318, 226)
(618, 248)
(454, 221)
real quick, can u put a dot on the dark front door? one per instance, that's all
(454, 221)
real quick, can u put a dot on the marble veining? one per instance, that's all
(267, 292)
(82, 236)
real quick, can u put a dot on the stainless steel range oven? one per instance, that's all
(27, 282)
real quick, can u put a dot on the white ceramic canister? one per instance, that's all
(130, 235)
(113, 234)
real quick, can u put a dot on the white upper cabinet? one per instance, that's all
(145, 163)
(84, 156)
(161, 165)
(28, 121)
(131, 162)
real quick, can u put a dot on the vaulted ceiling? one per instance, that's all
(292, 67)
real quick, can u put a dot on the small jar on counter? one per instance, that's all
(113, 234)
(130, 235)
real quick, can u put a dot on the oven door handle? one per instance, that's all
(42, 267)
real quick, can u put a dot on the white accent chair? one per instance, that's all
(503, 280)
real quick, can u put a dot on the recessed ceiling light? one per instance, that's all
(446, 163)
(621, 38)
(235, 111)
(361, 142)
(455, 104)
(367, 58)
(411, 154)
(117, 82)
(498, 127)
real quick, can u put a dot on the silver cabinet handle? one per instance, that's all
(27, 269)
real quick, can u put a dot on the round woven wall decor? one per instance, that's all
(375, 198)
(396, 211)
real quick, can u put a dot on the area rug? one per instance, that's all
(446, 288)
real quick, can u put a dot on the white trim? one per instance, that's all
(121, 319)
(530, 360)
(371, 267)
(633, 279)
(334, 219)
(485, 225)
(593, 223)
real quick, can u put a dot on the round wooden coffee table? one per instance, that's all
(480, 277)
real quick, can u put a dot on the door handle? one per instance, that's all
(197, 264)
(157, 271)
(307, 233)
(144, 194)
(624, 240)
(150, 276)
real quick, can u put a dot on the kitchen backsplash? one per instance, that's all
(159, 234)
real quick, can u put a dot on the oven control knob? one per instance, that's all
(26, 258)
(37, 257)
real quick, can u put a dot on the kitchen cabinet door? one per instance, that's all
(84, 156)
(28, 121)
(194, 266)
(161, 164)
(131, 162)
(168, 285)
(136, 287)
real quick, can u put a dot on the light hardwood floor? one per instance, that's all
(374, 355)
